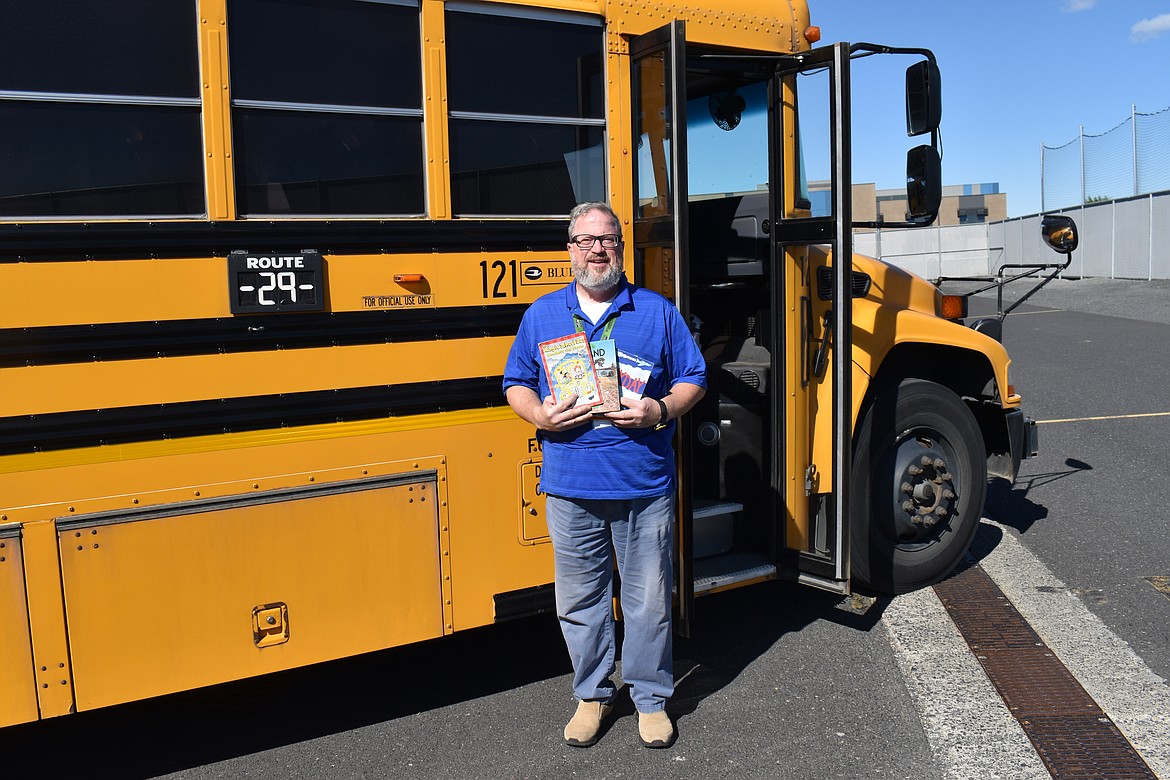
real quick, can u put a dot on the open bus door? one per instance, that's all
(815, 465)
(660, 239)
(763, 273)
(814, 280)
(802, 530)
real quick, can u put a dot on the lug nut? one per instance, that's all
(907, 487)
(939, 463)
(908, 506)
(926, 461)
(914, 471)
(948, 494)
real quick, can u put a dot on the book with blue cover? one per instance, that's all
(635, 373)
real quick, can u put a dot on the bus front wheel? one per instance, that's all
(918, 484)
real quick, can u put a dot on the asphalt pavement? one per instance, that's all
(1092, 359)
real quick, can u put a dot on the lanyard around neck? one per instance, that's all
(579, 321)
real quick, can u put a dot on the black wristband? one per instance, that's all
(665, 412)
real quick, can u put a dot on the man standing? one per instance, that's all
(610, 484)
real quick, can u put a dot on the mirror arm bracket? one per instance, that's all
(1056, 270)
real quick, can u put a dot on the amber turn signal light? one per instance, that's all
(954, 307)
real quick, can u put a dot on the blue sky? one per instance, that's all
(1014, 74)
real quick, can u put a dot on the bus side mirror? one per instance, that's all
(923, 184)
(923, 98)
(1060, 232)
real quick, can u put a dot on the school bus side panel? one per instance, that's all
(170, 603)
(18, 701)
(165, 601)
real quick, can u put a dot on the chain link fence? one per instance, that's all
(1130, 159)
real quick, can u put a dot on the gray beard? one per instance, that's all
(598, 282)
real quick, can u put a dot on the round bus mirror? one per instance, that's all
(1060, 232)
(726, 109)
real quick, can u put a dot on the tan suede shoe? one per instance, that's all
(655, 729)
(585, 727)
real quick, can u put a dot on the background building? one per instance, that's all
(962, 204)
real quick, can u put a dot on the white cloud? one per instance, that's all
(1072, 6)
(1148, 29)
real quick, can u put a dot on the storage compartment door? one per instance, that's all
(192, 595)
(18, 686)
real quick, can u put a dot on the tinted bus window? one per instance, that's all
(81, 159)
(526, 133)
(326, 107)
(335, 53)
(297, 162)
(99, 109)
(533, 67)
(115, 47)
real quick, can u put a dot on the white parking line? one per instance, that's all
(970, 730)
(1106, 417)
(1018, 312)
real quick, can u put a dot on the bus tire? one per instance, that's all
(918, 484)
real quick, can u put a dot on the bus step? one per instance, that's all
(723, 572)
(715, 508)
(713, 527)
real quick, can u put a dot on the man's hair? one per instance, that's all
(581, 209)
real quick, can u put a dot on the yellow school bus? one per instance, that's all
(261, 262)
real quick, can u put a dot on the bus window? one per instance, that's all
(99, 110)
(326, 107)
(727, 182)
(814, 142)
(527, 134)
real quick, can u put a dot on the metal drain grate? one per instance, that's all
(1074, 738)
(1039, 684)
(1087, 746)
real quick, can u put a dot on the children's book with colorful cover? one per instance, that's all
(568, 366)
(605, 362)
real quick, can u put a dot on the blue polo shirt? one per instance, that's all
(609, 462)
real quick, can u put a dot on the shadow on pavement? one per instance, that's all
(1010, 505)
(196, 728)
(191, 729)
(733, 629)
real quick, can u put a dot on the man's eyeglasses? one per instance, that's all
(586, 241)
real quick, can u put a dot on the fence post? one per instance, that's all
(939, 244)
(1133, 143)
(1082, 140)
(1042, 207)
(1113, 239)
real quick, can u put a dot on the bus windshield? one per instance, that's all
(727, 141)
